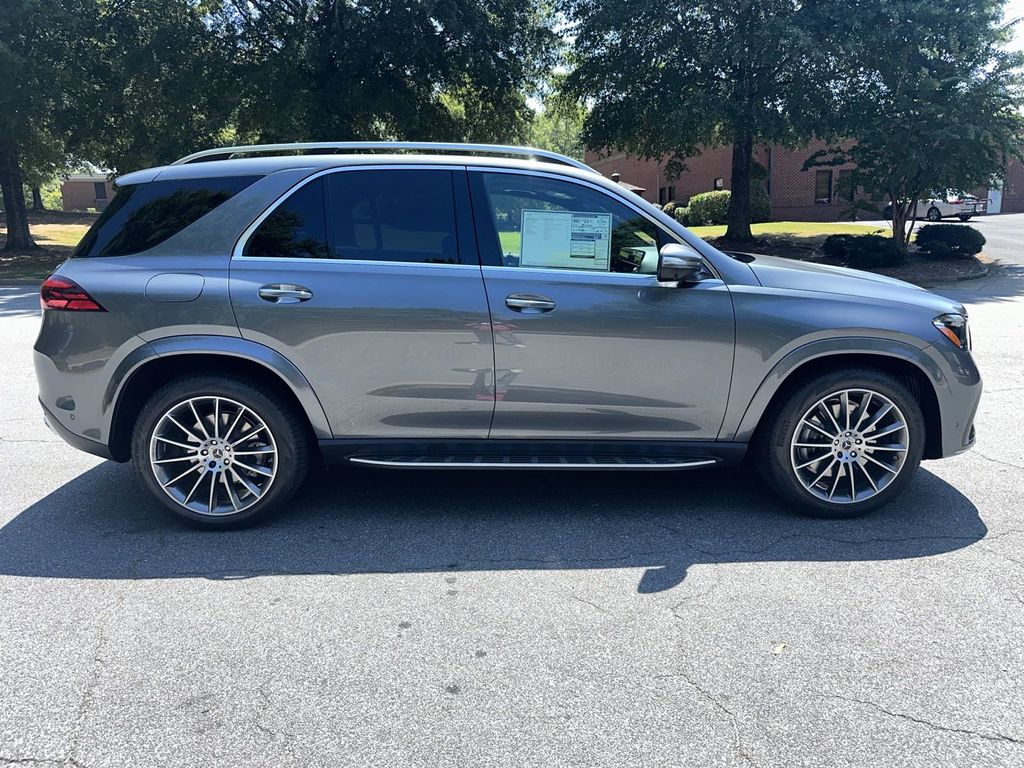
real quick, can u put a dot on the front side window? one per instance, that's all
(296, 229)
(142, 216)
(393, 215)
(540, 222)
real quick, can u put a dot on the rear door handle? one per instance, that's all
(528, 303)
(285, 293)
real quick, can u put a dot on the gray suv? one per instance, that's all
(236, 316)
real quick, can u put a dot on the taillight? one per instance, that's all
(59, 292)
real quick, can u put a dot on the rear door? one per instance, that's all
(368, 280)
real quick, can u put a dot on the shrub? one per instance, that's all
(837, 246)
(657, 205)
(872, 251)
(950, 241)
(709, 208)
(670, 207)
(683, 216)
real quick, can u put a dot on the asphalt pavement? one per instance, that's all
(519, 619)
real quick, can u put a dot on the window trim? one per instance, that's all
(468, 260)
(664, 231)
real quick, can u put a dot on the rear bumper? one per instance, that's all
(76, 441)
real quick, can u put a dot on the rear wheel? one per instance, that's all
(217, 452)
(844, 443)
(965, 217)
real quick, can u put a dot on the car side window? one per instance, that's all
(393, 215)
(296, 229)
(540, 222)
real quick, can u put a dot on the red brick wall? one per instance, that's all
(1013, 188)
(77, 195)
(792, 188)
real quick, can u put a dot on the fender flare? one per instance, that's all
(868, 346)
(222, 346)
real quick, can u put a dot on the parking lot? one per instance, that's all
(520, 619)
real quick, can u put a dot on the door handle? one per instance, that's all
(285, 293)
(528, 303)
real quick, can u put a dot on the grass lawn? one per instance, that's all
(794, 229)
(56, 233)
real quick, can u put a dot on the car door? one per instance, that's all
(587, 343)
(368, 280)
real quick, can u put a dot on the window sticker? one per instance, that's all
(566, 240)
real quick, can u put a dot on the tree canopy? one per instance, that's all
(925, 97)
(666, 79)
(132, 84)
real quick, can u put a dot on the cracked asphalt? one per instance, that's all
(521, 619)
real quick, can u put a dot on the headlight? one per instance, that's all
(954, 327)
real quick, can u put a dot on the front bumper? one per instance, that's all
(76, 441)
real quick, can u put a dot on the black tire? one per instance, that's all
(964, 217)
(773, 444)
(934, 214)
(288, 428)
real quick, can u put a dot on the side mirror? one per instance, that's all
(678, 264)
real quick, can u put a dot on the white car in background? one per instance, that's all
(952, 204)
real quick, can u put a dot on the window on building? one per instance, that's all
(719, 183)
(823, 187)
(847, 184)
(99, 190)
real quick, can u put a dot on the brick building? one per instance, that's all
(796, 194)
(82, 191)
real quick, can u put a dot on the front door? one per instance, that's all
(587, 343)
(369, 282)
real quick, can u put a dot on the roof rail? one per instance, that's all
(227, 153)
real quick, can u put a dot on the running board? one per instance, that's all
(533, 462)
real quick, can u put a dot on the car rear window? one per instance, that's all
(144, 215)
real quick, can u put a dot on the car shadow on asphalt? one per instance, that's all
(102, 526)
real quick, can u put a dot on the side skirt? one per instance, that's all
(532, 454)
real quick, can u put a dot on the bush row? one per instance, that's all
(941, 241)
(710, 208)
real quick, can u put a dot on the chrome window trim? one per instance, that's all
(672, 236)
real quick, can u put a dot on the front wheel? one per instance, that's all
(218, 452)
(964, 217)
(844, 443)
(934, 214)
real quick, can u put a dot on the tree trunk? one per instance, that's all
(37, 200)
(18, 236)
(739, 199)
(899, 221)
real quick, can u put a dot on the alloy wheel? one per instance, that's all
(213, 455)
(849, 446)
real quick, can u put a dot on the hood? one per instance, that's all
(775, 272)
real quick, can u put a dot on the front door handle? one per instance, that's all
(529, 303)
(285, 293)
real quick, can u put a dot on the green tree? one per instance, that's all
(668, 78)
(375, 69)
(924, 106)
(45, 72)
(558, 125)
